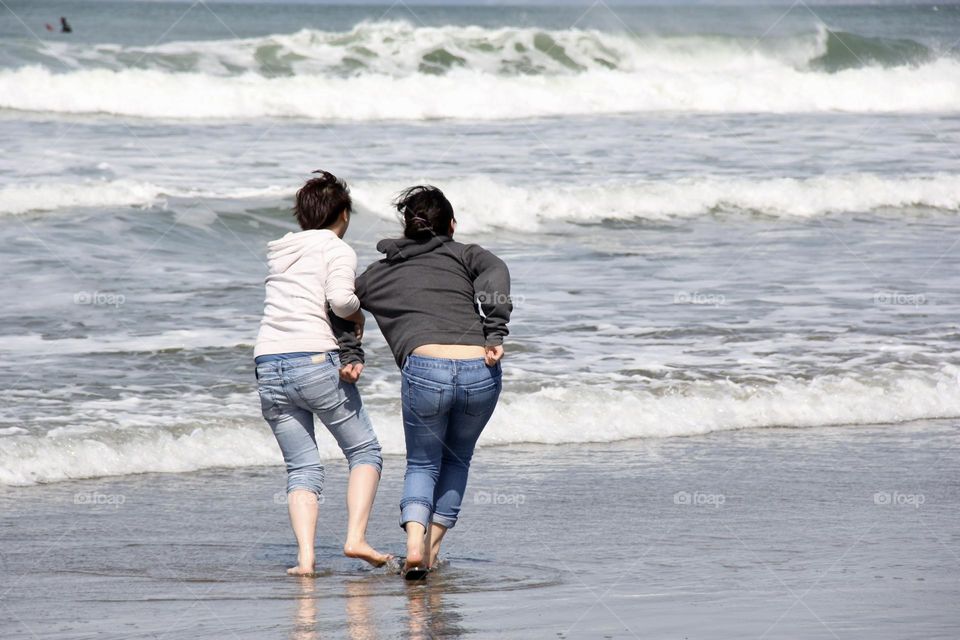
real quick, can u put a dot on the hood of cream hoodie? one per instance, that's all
(295, 312)
(285, 252)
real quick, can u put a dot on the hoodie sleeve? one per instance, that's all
(344, 332)
(360, 287)
(491, 291)
(339, 285)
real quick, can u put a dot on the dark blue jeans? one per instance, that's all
(446, 405)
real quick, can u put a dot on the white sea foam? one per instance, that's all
(553, 415)
(20, 198)
(123, 342)
(393, 70)
(465, 93)
(485, 203)
(561, 415)
(398, 48)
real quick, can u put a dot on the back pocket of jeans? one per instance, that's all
(481, 401)
(268, 405)
(321, 392)
(422, 399)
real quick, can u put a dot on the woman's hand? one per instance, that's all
(493, 355)
(358, 320)
(351, 372)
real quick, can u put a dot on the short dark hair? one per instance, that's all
(425, 212)
(321, 200)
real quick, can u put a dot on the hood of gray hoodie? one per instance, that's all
(284, 252)
(400, 249)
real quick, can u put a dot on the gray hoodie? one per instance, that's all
(436, 291)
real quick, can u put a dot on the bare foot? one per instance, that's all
(304, 565)
(437, 533)
(415, 555)
(364, 551)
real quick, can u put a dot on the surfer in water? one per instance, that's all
(443, 308)
(311, 273)
(65, 26)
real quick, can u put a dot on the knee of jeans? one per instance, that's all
(367, 453)
(307, 478)
(408, 501)
(431, 471)
(460, 460)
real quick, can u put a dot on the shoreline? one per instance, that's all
(330, 455)
(705, 536)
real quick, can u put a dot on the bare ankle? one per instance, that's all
(355, 542)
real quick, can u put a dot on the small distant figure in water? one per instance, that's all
(64, 26)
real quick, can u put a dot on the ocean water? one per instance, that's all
(716, 218)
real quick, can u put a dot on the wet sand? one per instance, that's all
(845, 532)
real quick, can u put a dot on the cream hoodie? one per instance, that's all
(308, 269)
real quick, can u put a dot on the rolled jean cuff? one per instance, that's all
(375, 462)
(415, 512)
(368, 455)
(308, 479)
(302, 487)
(444, 521)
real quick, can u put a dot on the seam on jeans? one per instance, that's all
(264, 391)
(482, 385)
(473, 404)
(443, 363)
(428, 384)
(409, 501)
(408, 401)
(307, 380)
(446, 521)
(351, 465)
(320, 369)
(341, 401)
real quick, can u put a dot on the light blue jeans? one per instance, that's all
(446, 405)
(293, 391)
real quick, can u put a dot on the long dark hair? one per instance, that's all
(425, 212)
(321, 200)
